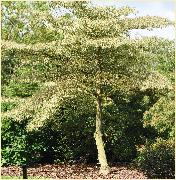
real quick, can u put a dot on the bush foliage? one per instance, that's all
(158, 159)
(68, 136)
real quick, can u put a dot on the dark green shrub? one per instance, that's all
(123, 124)
(13, 139)
(122, 129)
(158, 159)
(18, 146)
(70, 138)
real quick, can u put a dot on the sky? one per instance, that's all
(163, 8)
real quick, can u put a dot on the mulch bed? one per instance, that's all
(76, 171)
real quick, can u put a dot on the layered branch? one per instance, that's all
(146, 22)
(124, 62)
(104, 12)
(43, 104)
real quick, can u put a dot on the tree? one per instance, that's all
(94, 53)
(161, 114)
(156, 157)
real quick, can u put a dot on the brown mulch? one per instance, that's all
(77, 171)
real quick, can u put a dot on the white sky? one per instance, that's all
(164, 8)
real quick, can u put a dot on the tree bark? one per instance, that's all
(104, 168)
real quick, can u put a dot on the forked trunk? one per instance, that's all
(104, 168)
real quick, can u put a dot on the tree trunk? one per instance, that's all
(104, 168)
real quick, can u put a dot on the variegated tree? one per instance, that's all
(92, 50)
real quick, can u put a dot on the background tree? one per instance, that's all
(92, 54)
(160, 116)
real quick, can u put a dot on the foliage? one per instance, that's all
(13, 142)
(18, 146)
(87, 56)
(158, 159)
(6, 106)
(21, 22)
(20, 90)
(56, 63)
(8, 63)
(162, 116)
(68, 136)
